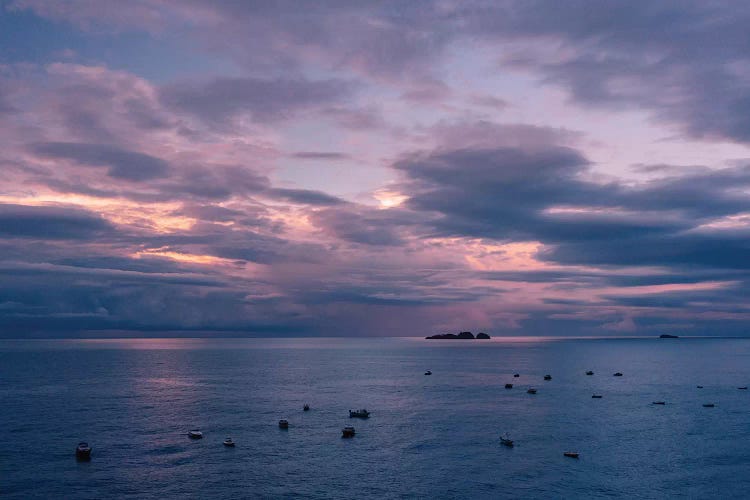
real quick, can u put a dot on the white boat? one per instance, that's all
(428, 372)
(229, 443)
(195, 434)
(359, 413)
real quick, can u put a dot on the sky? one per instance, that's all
(359, 168)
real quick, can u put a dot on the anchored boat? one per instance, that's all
(83, 451)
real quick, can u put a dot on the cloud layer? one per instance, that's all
(389, 168)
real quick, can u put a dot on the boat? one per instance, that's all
(509, 386)
(589, 372)
(531, 391)
(548, 377)
(743, 388)
(699, 386)
(659, 402)
(283, 424)
(618, 374)
(506, 441)
(83, 451)
(195, 434)
(359, 413)
(428, 372)
(571, 454)
(596, 396)
(347, 432)
(306, 407)
(708, 405)
(516, 375)
(229, 443)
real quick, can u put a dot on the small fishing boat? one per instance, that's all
(428, 372)
(516, 375)
(596, 396)
(229, 443)
(347, 432)
(548, 377)
(283, 424)
(306, 407)
(531, 391)
(359, 413)
(571, 454)
(659, 402)
(195, 434)
(83, 451)
(506, 441)
(618, 374)
(743, 388)
(589, 372)
(708, 405)
(509, 386)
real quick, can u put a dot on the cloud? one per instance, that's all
(265, 100)
(122, 164)
(22, 221)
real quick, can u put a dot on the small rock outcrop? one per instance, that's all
(460, 336)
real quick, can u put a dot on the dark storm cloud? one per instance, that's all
(264, 99)
(56, 223)
(121, 163)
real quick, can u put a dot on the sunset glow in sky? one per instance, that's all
(374, 168)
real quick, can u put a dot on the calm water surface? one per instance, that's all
(428, 437)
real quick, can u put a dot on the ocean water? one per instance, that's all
(428, 437)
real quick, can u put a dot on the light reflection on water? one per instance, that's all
(436, 436)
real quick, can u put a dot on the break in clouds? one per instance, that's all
(374, 168)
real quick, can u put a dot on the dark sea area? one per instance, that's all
(431, 436)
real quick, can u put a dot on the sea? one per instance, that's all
(429, 436)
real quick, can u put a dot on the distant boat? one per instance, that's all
(516, 375)
(83, 451)
(571, 454)
(195, 434)
(428, 372)
(743, 388)
(347, 432)
(229, 443)
(659, 402)
(283, 424)
(667, 336)
(506, 441)
(699, 386)
(306, 407)
(548, 377)
(359, 413)
(531, 391)
(596, 396)
(589, 372)
(708, 405)
(509, 386)
(618, 374)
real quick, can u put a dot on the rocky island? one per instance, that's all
(460, 336)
